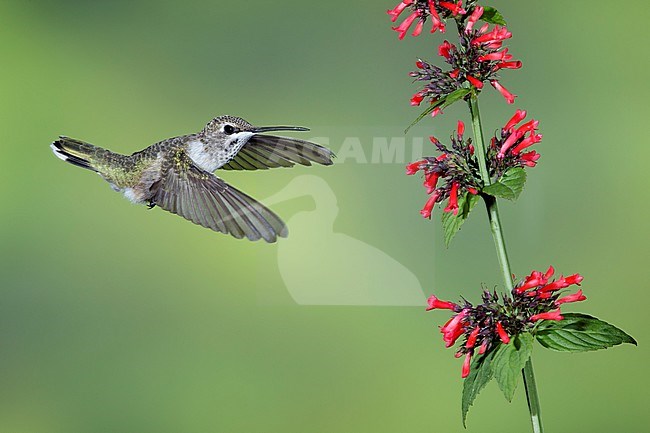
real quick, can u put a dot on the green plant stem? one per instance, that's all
(534, 406)
(502, 254)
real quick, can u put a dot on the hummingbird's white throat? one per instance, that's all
(214, 154)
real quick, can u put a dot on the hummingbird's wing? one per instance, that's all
(269, 151)
(206, 200)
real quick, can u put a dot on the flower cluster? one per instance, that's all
(421, 10)
(496, 320)
(456, 166)
(478, 60)
(506, 148)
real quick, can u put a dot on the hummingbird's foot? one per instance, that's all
(151, 205)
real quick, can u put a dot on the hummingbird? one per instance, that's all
(176, 174)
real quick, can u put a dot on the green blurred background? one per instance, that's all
(114, 318)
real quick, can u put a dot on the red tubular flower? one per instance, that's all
(430, 182)
(453, 199)
(510, 141)
(516, 118)
(529, 126)
(461, 128)
(476, 83)
(454, 8)
(498, 34)
(510, 98)
(443, 49)
(466, 364)
(416, 99)
(497, 55)
(508, 65)
(403, 28)
(436, 111)
(471, 340)
(551, 315)
(576, 297)
(397, 10)
(530, 158)
(558, 284)
(435, 18)
(574, 279)
(472, 191)
(549, 272)
(453, 329)
(505, 338)
(414, 167)
(535, 279)
(428, 206)
(527, 142)
(435, 303)
(418, 28)
(476, 15)
(454, 73)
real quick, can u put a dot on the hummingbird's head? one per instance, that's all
(231, 128)
(227, 127)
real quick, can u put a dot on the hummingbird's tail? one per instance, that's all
(75, 152)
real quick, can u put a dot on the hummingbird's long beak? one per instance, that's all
(279, 128)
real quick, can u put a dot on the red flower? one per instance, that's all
(397, 10)
(550, 315)
(526, 142)
(454, 8)
(416, 99)
(453, 199)
(576, 297)
(428, 206)
(476, 83)
(510, 98)
(430, 182)
(466, 364)
(510, 141)
(505, 338)
(476, 15)
(403, 28)
(574, 279)
(461, 128)
(418, 28)
(435, 303)
(514, 120)
(471, 340)
(414, 167)
(453, 329)
(529, 126)
(497, 35)
(530, 158)
(495, 56)
(508, 65)
(435, 18)
(443, 49)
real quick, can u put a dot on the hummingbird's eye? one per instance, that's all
(229, 129)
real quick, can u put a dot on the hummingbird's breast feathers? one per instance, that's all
(211, 152)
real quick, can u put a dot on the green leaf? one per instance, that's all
(441, 103)
(509, 186)
(480, 374)
(510, 360)
(580, 333)
(451, 223)
(492, 16)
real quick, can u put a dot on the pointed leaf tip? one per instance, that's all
(580, 333)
